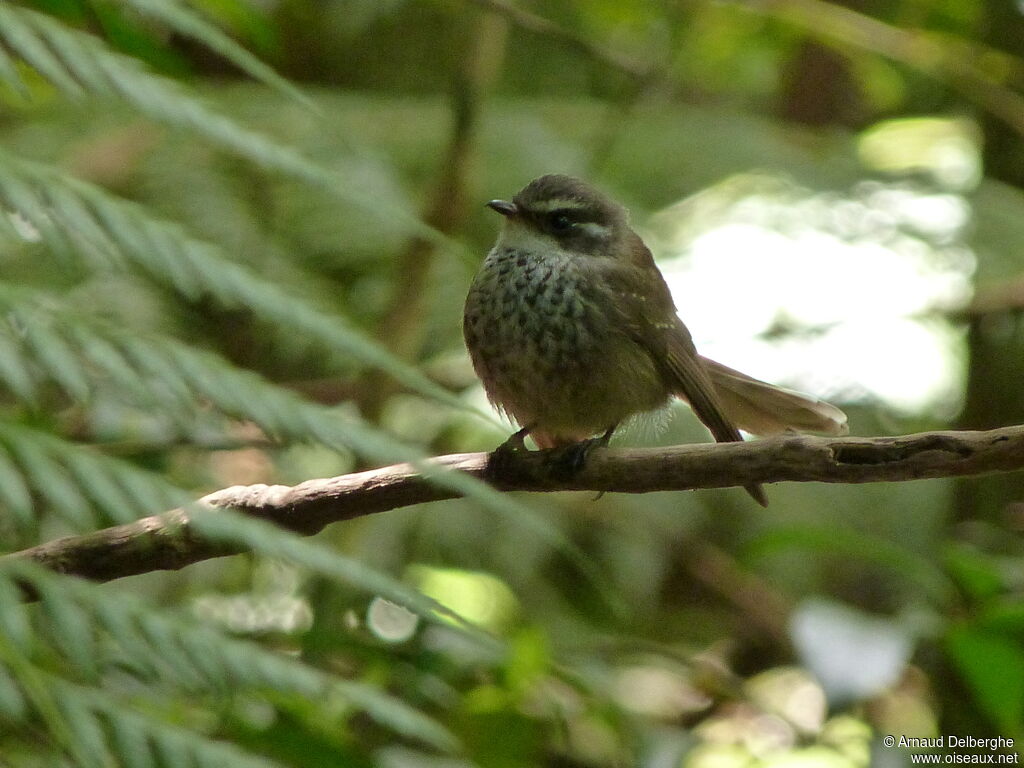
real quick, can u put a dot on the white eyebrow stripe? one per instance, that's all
(595, 230)
(557, 204)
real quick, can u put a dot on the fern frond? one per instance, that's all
(12, 704)
(46, 476)
(76, 480)
(108, 230)
(15, 627)
(259, 536)
(15, 495)
(92, 714)
(77, 64)
(15, 374)
(79, 483)
(10, 76)
(186, 22)
(182, 375)
(68, 628)
(79, 353)
(55, 356)
(88, 744)
(31, 682)
(22, 37)
(161, 648)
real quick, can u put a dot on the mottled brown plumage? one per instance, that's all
(572, 330)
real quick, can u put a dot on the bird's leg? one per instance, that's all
(571, 459)
(515, 442)
(500, 460)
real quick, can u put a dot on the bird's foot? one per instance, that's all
(569, 461)
(502, 458)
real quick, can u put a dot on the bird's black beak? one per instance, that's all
(503, 207)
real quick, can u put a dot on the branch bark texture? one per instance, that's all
(166, 541)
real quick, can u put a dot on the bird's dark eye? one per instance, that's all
(559, 222)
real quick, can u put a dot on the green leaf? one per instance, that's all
(10, 76)
(920, 570)
(189, 374)
(77, 63)
(173, 752)
(132, 744)
(190, 24)
(225, 525)
(46, 476)
(975, 572)
(397, 715)
(68, 627)
(89, 741)
(192, 267)
(162, 645)
(96, 480)
(1003, 616)
(14, 623)
(12, 703)
(78, 480)
(14, 492)
(993, 667)
(13, 370)
(163, 641)
(104, 356)
(20, 36)
(54, 355)
(175, 745)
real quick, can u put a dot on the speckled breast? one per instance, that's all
(546, 352)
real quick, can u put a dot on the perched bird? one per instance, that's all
(572, 330)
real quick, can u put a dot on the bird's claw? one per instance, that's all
(569, 461)
(565, 462)
(502, 458)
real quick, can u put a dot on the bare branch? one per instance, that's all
(167, 541)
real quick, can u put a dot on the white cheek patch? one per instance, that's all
(520, 236)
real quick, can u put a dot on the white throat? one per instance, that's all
(518, 236)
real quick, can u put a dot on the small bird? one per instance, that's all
(572, 330)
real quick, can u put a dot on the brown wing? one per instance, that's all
(689, 380)
(649, 312)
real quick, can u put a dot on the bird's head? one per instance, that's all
(563, 212)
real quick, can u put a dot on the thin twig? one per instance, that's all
(167, 541)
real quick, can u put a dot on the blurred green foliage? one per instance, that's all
(235, 239)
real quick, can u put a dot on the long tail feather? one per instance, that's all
(765, 409)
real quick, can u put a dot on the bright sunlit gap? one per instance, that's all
(474, 595)
(836, 294)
